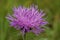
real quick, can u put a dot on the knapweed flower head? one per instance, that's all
(27, 19)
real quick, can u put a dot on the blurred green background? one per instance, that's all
(50, 7)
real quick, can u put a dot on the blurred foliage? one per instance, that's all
(50, 7)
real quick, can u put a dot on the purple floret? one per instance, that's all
(27, 19)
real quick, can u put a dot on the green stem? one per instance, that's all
(23, 36)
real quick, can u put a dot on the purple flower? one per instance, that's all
(27, 19)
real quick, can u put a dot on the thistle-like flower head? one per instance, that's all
(27, 19)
